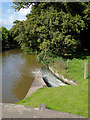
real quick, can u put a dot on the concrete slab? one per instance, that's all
(37, 83)
(20, 111)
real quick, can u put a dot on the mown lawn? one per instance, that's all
(70, 98)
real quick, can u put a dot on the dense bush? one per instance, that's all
(53, 28)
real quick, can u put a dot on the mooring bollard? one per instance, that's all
(67, 62)
(42, 106)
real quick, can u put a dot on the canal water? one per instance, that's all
(18, 73)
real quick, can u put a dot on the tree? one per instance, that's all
(7, 39)
(5, 36)
(53, 28)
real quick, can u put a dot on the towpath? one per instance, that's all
(20, 111)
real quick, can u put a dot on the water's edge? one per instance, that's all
(40, 82)
(61, 77)
(37, 83)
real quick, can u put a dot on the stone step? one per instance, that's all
(20, 111)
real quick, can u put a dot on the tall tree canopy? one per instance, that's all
(53, 28)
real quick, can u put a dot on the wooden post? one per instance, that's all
(67, 62)
(85, 71)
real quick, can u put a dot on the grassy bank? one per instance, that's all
(72, 69)
(71, 98)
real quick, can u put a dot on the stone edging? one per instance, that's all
(61, 77)
(12, 111)
(37, 83)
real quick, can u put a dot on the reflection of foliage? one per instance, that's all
(53, 28)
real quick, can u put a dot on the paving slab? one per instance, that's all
(21, 111)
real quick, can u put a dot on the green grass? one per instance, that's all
(75, 70)
(71, 98)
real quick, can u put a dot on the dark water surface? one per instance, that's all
(18, 73)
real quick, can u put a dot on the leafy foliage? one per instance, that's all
(52, 28)
(5, 36)
(7, 39)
